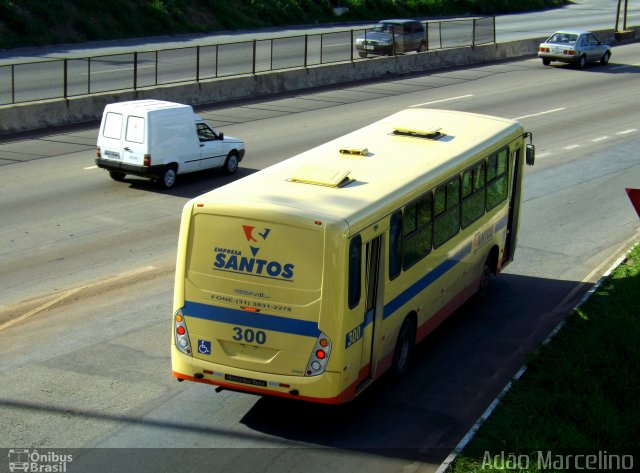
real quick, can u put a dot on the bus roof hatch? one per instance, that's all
(321, 176)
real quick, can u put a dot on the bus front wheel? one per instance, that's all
(403, 352)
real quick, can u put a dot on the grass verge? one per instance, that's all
(576, 406)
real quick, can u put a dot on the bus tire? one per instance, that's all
(403, 351)
(485, 277)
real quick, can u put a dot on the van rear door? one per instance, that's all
(134, 144)
(110, 138)
(252, 290)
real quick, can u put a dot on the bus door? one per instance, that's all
(514, 205)
(373, 302)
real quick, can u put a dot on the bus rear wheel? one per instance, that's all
(485, 277)
(403, 352)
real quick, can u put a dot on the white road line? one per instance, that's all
(570, 147)
(602, 138)
(541, 113)
(91, 167)
(625, 66)
(626, 132)
(543, 155)
(444, 100)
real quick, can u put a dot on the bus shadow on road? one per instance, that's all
(458, 370)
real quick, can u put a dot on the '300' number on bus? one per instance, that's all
(249, 336)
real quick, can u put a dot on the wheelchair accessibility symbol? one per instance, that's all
(204, 347)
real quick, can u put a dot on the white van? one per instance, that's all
(158, 139)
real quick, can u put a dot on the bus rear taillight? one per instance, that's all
(181, 334)
(319, 356)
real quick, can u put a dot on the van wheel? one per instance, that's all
(168, 178)
(403, 352)
(231, 164)
(117, 175)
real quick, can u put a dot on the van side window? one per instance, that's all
(135, 129)
(205, 133)
(112, 126)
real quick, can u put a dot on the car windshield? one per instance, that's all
(383, 28)
(563, 38)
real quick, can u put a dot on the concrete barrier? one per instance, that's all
(84, 109)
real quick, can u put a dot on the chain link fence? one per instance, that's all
(55, 79)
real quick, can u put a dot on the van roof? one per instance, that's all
(147, 105)
(341, 178)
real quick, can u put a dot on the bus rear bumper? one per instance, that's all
(324, 389)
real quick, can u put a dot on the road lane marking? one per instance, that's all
(602, 138)
(570, 147)
(67, 294)
(91, 167)
(541, 113)
(626, 132)
(443, 100)
(625, 66)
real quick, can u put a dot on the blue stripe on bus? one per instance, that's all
(425, 281)
(251, 319)
(501, 223)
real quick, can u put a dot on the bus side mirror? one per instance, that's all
(530, 154)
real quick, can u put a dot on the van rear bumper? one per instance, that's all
(143, 171)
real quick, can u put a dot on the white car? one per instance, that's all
(575, 47)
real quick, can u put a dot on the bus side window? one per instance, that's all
(473, 194)
(497, 184)
(395, 245)
(417, 232)
(355, 271)
(447, 222)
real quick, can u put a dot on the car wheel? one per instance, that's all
(117, 175)
(231, 164)
(168, 178)
(422, 48)
(361, 54)
(546, 62)
(604, 60)
(582, 61)
(403, 352)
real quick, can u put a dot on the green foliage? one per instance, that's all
(579, 393)
(40, 22)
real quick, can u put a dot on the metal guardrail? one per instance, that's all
(65, 78)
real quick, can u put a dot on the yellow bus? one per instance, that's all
(313, 277)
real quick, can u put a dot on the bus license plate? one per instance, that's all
(242, 379)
